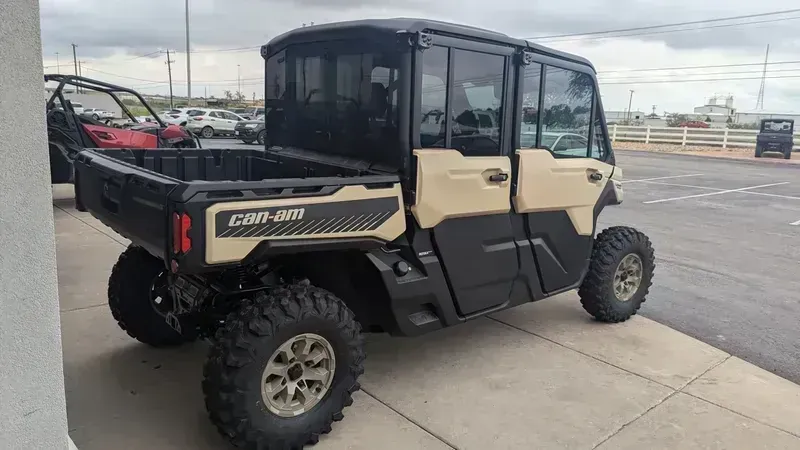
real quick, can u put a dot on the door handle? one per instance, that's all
(499, 178)
(596, 176)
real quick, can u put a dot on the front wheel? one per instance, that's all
(758, 151)
(207, 132)
(787, 154)
(620, 274)
(247, 141)
(262, 137)
(283, 368)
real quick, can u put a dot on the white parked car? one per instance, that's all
(210, 122)
(567, 144)
(180, 116)
(96, 113)
(77, 107)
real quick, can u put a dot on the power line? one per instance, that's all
(705, 74)
(698, 67)
(696, 80)
(669, 25)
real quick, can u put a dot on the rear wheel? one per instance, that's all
(283, 368)
(262, 137)
(207, 132)
(139, 299)
(758, 151)
(620, 274)
(787, 153)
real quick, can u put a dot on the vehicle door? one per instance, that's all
(559, 191)
(232, 120)
(463, 169)
(217, 121)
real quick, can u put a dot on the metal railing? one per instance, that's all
(712, 137)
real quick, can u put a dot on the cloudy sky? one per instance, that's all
(122, 42)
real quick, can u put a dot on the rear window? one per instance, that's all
(777, 126)
(195, 112)
(337, 98)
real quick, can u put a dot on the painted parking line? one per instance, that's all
(684, 197)
(662, 178)
(795, 223)
(764, 194)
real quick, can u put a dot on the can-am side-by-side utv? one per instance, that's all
(68, 132)
(395, 195)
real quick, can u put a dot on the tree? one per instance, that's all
(228, 95)
(675, 120)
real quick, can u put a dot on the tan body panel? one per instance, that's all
(450, 185)
(546, 183)
(231, 249)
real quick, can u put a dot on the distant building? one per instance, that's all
(618, 116)
(757, 116)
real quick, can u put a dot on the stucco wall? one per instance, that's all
(32, 406)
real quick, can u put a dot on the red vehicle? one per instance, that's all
(68, 132)
(694, 124)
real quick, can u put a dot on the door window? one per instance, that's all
(231, 116)
(567, 109)
(532, 84)
(599, 149)
(477, 94)
(215, 115)
(434, 97)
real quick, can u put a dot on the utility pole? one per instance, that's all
(239, 82)
(188, 59)
(80, 73)
(169, 70)
(630, 101)
(58, 64)
(760, 98)
(654, 109)
(75, 59)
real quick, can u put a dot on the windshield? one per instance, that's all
(337, 100)
(548, 140)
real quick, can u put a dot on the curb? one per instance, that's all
(760, 162)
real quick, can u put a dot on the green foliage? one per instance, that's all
(743, 126)
(675, 120)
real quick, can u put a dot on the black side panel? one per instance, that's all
(479, 258)
(561, 253)
(527, 286)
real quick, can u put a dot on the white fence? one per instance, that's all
(712, 137)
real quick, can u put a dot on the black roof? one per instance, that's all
(388, 28)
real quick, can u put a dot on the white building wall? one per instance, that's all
(32, 406)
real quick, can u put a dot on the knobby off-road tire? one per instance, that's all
(611, 248)
(234, 374)
(131, 302)
(758, 151)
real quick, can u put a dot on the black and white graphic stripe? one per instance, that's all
(316, 219)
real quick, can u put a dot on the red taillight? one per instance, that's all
(197, 118)
(181, 242)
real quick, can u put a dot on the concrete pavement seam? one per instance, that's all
(626, 424)
(582, 353)
(712, 367)
(740, 414)
(81, 308)
(91, 226)
(419, 425)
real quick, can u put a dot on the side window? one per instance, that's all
(532, 84)
(214, 114)
(599, 150)
(231, 116)
(567, 107)
(308, 79)
(434, 97)
(477, 94)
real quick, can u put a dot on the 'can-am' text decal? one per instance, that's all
(306, 220)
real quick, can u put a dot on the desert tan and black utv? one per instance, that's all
(416, 175)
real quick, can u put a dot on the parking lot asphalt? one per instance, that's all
(727, 240)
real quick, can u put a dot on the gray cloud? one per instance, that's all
(146, 25)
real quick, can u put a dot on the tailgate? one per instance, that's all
(130, 200)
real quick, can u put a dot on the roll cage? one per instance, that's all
(97, 86)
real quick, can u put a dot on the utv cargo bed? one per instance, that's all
(164, 200)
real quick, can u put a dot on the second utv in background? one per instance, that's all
(775, 135)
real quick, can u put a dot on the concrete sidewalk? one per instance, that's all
(542, 376)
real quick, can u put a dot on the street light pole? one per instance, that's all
(239, 82)
(58, 64)
(630, 101)
(188, 59)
